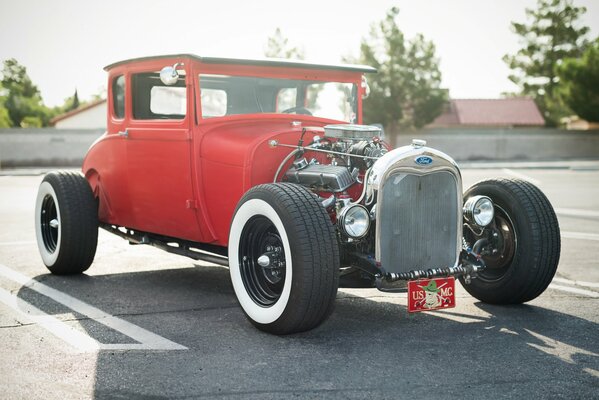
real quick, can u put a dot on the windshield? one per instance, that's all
(230, 95)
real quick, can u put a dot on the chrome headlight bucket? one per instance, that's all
(479, 210)
(354, 221)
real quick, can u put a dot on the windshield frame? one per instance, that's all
(338, 76)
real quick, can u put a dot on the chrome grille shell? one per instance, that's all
(418, 239)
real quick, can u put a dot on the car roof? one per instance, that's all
(266, 62)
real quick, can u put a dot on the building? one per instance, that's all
(89, 116)
(489, 113)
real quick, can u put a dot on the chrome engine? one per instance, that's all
(319, 177)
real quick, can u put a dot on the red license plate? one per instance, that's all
(431, 294)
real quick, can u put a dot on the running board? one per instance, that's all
(197, 251)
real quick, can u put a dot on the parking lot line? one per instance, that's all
(577, 283)
(583, 292)
(147, 340)
(72, 336)
(580, 235)
(19, 243)
(521, 176)
(576, 212)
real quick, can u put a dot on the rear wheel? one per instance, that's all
(283, 258)
(66, 222)
(524, 243)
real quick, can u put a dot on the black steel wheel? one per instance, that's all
(264, 283)
(66, 222)
(49, 223)
(283, 258)
(523, 249)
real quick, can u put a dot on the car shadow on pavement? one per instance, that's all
(368, 348)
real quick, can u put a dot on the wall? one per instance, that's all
(45, 147)
(67, 147)
(523, 144)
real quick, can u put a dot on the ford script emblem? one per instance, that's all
(423, 160)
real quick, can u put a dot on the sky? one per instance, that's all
(66, 43)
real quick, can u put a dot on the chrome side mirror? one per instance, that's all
(169, 75)
(365, 88)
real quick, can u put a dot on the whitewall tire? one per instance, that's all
(283, 258)
(66, 222)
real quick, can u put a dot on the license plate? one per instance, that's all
(431, 294)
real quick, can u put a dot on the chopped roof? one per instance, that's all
(267, 62)
(491, 112)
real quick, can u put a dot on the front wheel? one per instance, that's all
(524, 243)
(283, 258)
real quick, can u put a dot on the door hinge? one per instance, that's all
(191, 204)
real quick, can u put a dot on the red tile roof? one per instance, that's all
(490, 112)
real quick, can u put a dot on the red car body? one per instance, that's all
(183, 178)
(264, 167)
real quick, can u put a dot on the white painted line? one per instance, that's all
(577, 283)
(580, 235)
(576, 212)
(72, 336)
(20, 243)
(583, 292)
(521, 176)
(147, 339)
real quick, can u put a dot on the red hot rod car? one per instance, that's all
(264, 166)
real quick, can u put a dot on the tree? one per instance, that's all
(70, 103)
(550, 36)
(73, 103)
(5, 121)
(405, 93)
(579, 83)
(23, 98)
(278, 46)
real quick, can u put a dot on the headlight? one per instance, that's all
(479, 210)
(354, 221)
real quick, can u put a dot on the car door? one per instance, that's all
(158, 146)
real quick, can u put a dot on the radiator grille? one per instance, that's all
(417, 220)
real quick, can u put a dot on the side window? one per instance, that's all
(118, 96)
(167, 100)
(214, 102)
(154, 100)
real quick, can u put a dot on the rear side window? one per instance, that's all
(118, 96)
(154, 100)
(167, 100)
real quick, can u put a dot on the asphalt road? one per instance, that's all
(145, 324)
